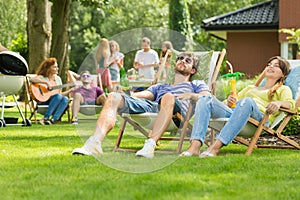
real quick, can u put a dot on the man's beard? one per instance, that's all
(184, 73)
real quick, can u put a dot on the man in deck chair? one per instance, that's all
(159, 98)
(86, 95)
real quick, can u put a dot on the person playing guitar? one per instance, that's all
(44, 91)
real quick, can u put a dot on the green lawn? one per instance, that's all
(36, 163)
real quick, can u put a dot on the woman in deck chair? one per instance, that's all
(252, 102)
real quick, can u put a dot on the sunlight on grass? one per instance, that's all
(36, 163)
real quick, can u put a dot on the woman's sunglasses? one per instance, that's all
(186, 59)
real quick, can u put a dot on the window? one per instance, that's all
(292, 51)
(289, 51)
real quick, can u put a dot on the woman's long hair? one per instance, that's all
(284, 65)
(111, 43)
(169, 46)
(44, 68)
(103, 50)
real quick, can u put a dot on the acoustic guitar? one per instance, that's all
(41, 93)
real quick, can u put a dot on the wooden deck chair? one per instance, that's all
(253, 129)
(32, 107)
(208, 69)
(88, 110)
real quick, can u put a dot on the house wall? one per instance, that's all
(289, 15)
(249, 51)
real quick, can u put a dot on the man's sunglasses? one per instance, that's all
(85, 76)
(186, 59)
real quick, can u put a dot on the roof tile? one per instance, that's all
(259, 16)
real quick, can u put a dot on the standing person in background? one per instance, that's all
(58, 102)
(102, 62)
(165, 47)
(146, 59)
(116, 60)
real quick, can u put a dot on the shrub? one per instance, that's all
(293, 127)
(223, 87)
(20, 45)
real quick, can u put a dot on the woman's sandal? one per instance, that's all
(185, 154)
(206, 154)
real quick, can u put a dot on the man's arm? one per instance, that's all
(146, 94)
(192, 96)
(101, 99)
(139, 65)
(197, 95)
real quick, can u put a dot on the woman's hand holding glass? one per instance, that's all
(231, 100)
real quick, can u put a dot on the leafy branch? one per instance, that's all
(293, 35)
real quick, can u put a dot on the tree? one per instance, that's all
(179, 20)
(83, 20)
(12, 20)
(293, 36)
(50, 39)
(90, 23)
(60, 35)
(39, 32)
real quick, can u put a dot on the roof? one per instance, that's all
(263, 15)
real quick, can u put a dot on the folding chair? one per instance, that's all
(33, 107)
(208, 69)
(253, 129)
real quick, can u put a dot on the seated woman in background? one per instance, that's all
(252, 102)
(116, 60)
(58, 102)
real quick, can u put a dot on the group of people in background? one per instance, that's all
(146, 59)
(108, 62)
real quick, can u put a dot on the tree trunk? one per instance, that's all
(60, 37)
(39, 32)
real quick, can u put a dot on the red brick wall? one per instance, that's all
(249, 51)
(289, 15)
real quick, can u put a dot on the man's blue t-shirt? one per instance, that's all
(195, 86)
